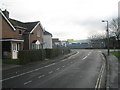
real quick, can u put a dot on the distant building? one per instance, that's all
(79, 44)
(70, 39)
(56, 42)
(64, 43)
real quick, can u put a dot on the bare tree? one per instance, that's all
(98, 40)
(115, 29)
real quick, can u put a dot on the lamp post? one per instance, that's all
(107, 36)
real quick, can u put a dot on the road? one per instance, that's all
(85, 69)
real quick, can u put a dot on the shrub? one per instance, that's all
(27, 56)
(55, 52)
(66, 50)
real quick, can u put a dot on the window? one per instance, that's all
(33, 45)
(20, 32)
(5, 53)
(38, 33)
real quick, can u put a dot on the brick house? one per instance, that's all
(12, 42)
(31, 32)
(17, 35)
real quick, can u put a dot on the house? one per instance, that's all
(56, 42)
(11, 41)
(17, 35)
(47, 38)
(31, 32)
(64, 43)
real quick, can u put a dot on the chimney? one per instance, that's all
(6, 13)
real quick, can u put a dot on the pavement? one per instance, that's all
(8, 66)
(113, 71)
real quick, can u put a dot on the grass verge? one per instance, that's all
(116, 53)
(11, 61)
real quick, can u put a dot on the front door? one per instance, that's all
(14, 51)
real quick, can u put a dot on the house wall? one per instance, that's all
(8, 32)
(48, 41)
(26, 42)
(0, 36)
(7, 48)
(34, 35)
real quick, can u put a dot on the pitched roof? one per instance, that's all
(7, 20)
(47, 33)
(55, 40)
(29, 26)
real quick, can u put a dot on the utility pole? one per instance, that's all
(108, 42)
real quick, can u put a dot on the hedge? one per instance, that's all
(66, 50)
(55, 52)
(27, 56)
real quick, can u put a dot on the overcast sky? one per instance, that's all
(65, 19)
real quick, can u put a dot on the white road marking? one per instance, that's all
(50, 72)
(101, 76)
(98, 84)
(32, 70)
(17, 75)
(26, 72)
(41, 76)
(103, 57)
(101, 71)
(73, 55)
(89, 53)
(50, 65)
(63, 60)
(27, 82)
(57, 68)
(85, 57)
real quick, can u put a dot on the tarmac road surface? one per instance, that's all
(85, 69)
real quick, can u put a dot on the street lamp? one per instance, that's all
(107, 36)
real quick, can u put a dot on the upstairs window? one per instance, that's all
(38, 33)
(20, 32)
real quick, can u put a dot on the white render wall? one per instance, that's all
(47, 39)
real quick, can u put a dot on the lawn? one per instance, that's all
(116, 53)
(10, 61)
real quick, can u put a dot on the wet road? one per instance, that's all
(85, 69)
